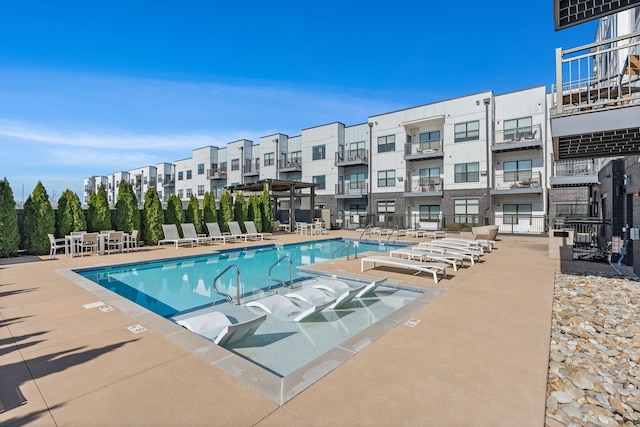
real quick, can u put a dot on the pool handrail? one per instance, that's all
(365, 230)
(238, 287)
(395, 228)
(282, 282)
(347, 245)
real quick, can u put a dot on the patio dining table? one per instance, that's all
(72, 240)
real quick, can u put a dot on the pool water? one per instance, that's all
(176, 286)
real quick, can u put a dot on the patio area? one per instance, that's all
(478, 356)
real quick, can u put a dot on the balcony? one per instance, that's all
(425, 150)
(352, 157)
(290, 165)
(574, 173)
(251, 167)
(596, 100)
(517, 139)
(168, 182)
(216, 174)
(352, 190)
(517, 182)
(423, 187)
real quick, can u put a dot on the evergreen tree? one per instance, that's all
(175, 213)
(99, 215)
(209, 213)
(127, 215)
(9, 233)
(226, 212)
(152, 218)
(254, 212)
(194, 215)
(267, 211)
(70, 216)
(39, 221)
(240, 211)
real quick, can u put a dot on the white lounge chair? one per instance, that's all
(339, 287)
(315, 296)
(189, 232)
(216, 234)
(171, 236)
(285, 309)
(452, 247)
(427, 267)
(410, 253)
(426, 247)
(250, 226)
(218, 328)
(236, 231)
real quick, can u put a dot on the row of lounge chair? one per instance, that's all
(295, 306)
(235, 234)
(433, 257)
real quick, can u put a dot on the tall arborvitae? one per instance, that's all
(254, 213)
(99, 215)
(240, 211)
(70, 216)
(175, 213)
(209, 213)
(39, 221)
(9, 233)
(152, 218)
(127, 215)
(267, 211)
(226, 211)
(194, 215)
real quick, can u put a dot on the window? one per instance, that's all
(513, 213)
(200, 190)
(180, 193)
(516, 129)
(386, 143)
(357, 180)
(269, 159)
(180, 175)
(189, 174)
(356, 150)
(235, 164)
(467, 172)
(386, 178)
(430, 140)
(201, 169)
(429, 176)
(466, 211)
(467, 131)
(160, 195)
(429, 212)
(319, 180)
(223, 166)
(517, 170)
(386, 206)
(144, 180)
(296, 157)
(188, 193)
(319, 152)
(567, 209)
(357, 208)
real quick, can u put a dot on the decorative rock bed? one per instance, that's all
(594, 360)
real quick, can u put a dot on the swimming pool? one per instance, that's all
(176, 286)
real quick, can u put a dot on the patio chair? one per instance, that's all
(88, 242)
(236, 231)
(55, 245)
(250, 226)
(189, 232)
(133, 239)
(171, 236)
(115, 240)
(216, 234)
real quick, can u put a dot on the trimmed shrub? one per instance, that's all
(226, 212)
(9, 234)
(267, 211)
(240, 211)
(174, 213)
(99, 215)
(194, 215)
(39, 221)
(70, 215)
(253, 211)
(209, 212)
(152, 218)
(127, 215)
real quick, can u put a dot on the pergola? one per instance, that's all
(280, 189)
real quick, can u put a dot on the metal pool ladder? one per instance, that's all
(238, 287)
(282, 282)
(347, 246)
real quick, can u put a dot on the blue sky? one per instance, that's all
(90, 88)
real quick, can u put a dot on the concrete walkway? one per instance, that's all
(479, 355)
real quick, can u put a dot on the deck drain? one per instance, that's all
(412, 323)
(136, 329)
(94, 305)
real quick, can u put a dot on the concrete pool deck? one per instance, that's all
(479, 355)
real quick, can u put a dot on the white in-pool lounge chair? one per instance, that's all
(315, 296)
(250, 226)
(427, 267)
(283, 308)
(171, 236)
(218, 328)
(216, 234)
(189, 232)
(339, 287)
